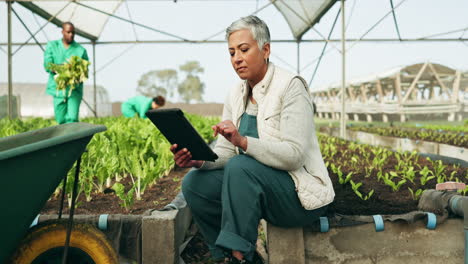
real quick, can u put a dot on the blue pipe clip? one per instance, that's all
(102, 224)
(431, 221)
(324, 225)
(379, 223)
(34, 222)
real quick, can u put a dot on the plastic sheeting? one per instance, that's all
(78, 12)
(301, 15)
(34, 102)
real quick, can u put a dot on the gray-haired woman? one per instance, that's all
(269, 165)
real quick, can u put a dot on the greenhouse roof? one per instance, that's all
(300, 15)
(78, 12)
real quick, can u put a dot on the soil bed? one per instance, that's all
(384, 200)
(155, 197)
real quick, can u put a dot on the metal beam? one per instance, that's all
(27, 29)
(377, 40)
(94, 80)
(10, 79)
(395, 20)
(52, 18)
(343, 71)
(324, 47)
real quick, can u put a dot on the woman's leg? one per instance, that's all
(202, 191)
(251, 191)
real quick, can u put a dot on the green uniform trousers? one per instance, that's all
(228, 204)
(67, 109)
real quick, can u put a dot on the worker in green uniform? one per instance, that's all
(139, 105)
(66, 106)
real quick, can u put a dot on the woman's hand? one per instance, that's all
(183, 158)
(229, 131)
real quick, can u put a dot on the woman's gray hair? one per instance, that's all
(257, 27)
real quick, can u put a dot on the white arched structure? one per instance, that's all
(423, 88)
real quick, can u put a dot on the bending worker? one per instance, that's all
(66, 106)
(141, 104)
(269, 164)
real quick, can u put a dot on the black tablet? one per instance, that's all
(178, 130)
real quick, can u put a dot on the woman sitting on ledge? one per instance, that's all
(269, 165)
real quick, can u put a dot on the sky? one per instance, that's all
(197, 20)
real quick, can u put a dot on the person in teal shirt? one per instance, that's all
(139, 105)
(66, 106)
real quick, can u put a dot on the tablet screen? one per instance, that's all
(178, 130)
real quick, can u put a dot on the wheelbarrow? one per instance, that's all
(32, 165)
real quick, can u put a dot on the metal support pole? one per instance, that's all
(10, 87)
(298, 57)
(343, 70)
(94, 79)
(72, 211)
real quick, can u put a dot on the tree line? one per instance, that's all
(165, 82)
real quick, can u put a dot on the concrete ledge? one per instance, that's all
(391, 142)
(162, 234)
(399, 243)
(407, 144)
(453, 151)
(285, 245)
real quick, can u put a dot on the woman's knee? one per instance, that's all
(188, 183)
(240, 162)
(200, 183)
(242, 168)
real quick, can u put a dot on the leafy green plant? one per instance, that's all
(355, 187)
(438, 171)
(424, 175)
(395, 186)
(71, 73)
(131, 147)
(416, 194)
(126, 197)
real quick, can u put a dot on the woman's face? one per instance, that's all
(247, 59)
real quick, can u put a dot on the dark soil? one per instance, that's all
(155, 197)
(384, 200)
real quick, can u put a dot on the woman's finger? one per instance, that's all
(173, 148)
(184, 156)
(186, 162)
(180, 155)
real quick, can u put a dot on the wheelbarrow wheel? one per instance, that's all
(45, 244)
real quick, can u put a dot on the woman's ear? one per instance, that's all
(266, 51)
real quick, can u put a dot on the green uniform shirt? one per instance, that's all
(136, 105)
(57, 54)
